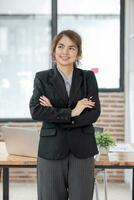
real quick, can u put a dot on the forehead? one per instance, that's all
(66, 41)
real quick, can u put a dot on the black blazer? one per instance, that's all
(61, 133)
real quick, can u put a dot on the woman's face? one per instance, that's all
(66, 52)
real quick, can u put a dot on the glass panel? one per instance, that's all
(98, 22)
(24, 50)
(25, 7)
(89, 7)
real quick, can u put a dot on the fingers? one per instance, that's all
(87, 103)
(44, 101)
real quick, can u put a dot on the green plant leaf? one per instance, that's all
(105, 140)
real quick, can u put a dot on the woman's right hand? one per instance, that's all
(44, 101)
(81, 105)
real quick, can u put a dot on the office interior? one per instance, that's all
(107, 30)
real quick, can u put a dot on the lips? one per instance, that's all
(64, 58)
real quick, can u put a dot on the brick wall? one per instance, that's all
(112, 119)
(113, 114)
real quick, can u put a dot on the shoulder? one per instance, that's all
(88, 73)
(44, 74)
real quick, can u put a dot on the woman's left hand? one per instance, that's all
(44, 101)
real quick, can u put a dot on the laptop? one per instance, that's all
(21, 141)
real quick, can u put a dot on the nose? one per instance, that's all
(65, 50)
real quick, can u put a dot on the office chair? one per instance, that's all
(98, 172)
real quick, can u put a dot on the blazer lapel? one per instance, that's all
(76, 83)
(59, 85)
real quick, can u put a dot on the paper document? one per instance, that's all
(122, 147)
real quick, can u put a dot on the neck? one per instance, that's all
(66, 70)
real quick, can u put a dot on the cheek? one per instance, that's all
(55, 54)
(75, 56)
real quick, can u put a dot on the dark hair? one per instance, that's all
(72, 35)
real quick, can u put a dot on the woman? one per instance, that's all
(65, 99)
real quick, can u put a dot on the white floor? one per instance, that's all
(27, 191)
(115, 191)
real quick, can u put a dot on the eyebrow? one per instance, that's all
(69, 45)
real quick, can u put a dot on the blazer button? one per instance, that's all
(73, 122)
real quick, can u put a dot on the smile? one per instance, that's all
(64, 57)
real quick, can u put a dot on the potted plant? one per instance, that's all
(104, 141)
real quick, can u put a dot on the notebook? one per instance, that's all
(21, 141)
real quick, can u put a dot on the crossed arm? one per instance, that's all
(85, 112)
(80, 106)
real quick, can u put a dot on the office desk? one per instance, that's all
(112, 161)
(12, 161)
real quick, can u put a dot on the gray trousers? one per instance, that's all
(70, 178)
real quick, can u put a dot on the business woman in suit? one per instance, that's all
(66, 100)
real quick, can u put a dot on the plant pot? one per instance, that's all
(103, 151)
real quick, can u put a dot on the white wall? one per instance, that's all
(129, 78)
(129, 70)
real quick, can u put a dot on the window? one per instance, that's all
(25, 46)
(98, 22)
(24, 50)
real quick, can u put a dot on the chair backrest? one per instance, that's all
(98, 129)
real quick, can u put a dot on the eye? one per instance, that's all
(60, 46)
(72, 48)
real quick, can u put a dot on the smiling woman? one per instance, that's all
(65, 98)
(65, 52)
(70, 43)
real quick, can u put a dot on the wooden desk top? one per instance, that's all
(6, 159)
(117, 159)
